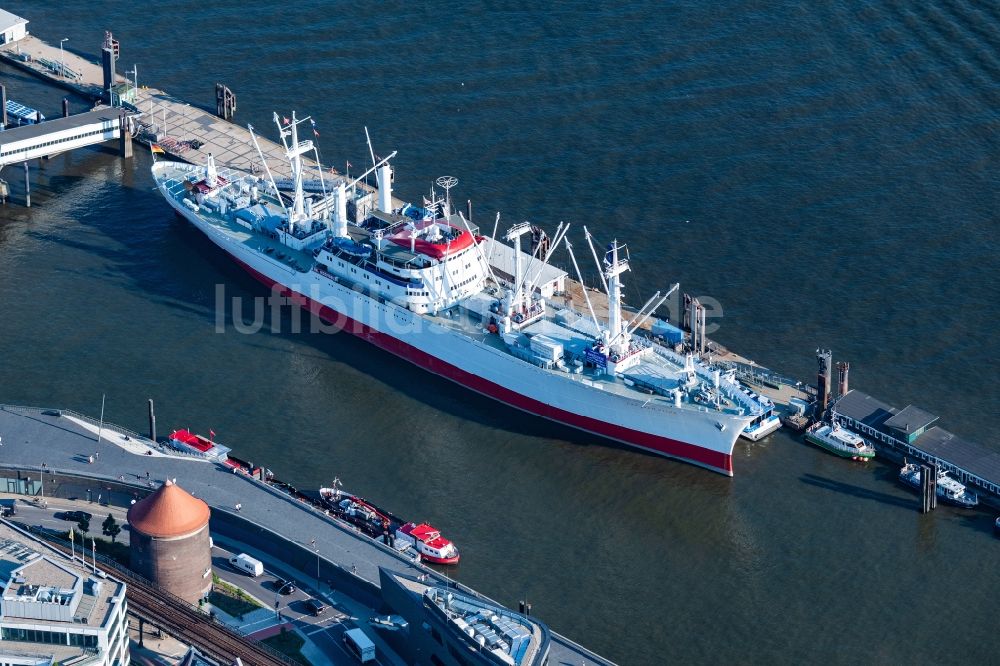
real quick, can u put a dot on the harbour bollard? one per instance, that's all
(928, 488)
(124, 138)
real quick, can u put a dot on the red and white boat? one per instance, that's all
(428, 542)
(394, 531)
(199, 445)
(422, 283)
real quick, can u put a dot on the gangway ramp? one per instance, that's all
(57, 136)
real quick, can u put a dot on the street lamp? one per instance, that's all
(135, 82)
(316, 548)
(62, 66)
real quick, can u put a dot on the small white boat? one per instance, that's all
(839, 441)
(949, 490)
(25, 115)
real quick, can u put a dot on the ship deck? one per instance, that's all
(654, 370)
(655, 374)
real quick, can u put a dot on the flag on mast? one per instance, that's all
(315, 132)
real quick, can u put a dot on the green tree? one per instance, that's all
(83, 525)
(111, 528)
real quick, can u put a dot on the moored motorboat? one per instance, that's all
(949, 490)
(764, 423)
(839, 441)
(428, 542)
(394, 531)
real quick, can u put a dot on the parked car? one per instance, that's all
(315, 606)
(283, 587)
(74, 516)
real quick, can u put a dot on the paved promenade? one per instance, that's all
(65, 444)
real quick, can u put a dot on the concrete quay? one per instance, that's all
(65, 443)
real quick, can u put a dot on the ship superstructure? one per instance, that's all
(421, 282)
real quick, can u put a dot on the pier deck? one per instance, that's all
(176, 122)
(971, 463)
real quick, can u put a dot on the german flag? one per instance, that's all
(155, 148)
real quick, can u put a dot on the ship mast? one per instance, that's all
(294, 151)
(618, 338)
(514, 234)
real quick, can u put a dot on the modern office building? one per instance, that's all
(55, 610)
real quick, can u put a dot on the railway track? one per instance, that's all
(180, 619)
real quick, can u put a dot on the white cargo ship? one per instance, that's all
(421, 282)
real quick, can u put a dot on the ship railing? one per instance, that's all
(758, 374)
(729, 389)
(131, 434)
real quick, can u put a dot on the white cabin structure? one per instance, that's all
(12, 27)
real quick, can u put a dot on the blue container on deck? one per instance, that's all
(667, 331)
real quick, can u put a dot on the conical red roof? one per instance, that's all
(168, 512)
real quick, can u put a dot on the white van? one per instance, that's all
(359, 645)
(248, 565)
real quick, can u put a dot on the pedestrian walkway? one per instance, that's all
(29, 434)
(52, 137)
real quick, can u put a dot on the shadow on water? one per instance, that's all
(856, 491)
(979, 521)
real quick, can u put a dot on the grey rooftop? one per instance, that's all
(911, 419)
(8, 20)
(974, 458)
(863, 408)
(25, 132)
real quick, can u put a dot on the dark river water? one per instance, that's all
(827, 172)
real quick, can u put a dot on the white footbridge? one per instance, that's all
(61, 134)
